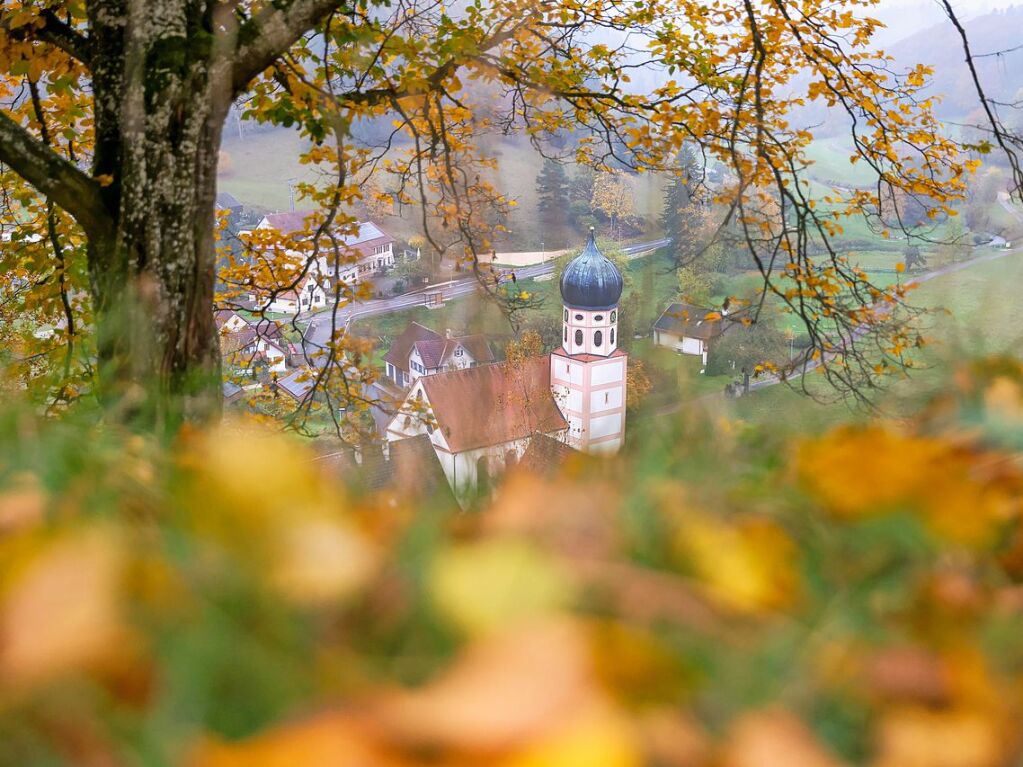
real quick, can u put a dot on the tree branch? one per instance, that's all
(54, 177)
(273, 31)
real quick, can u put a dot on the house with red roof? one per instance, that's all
(420, 351)
(366, 251)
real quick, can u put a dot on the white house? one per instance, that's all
(308, 296)
(684, 328)
(420, 351)
(369, 250)
(482, 420)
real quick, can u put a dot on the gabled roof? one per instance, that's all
(397, 355)
(436, 351)
(227, 201)
(232, 342)
(544, 455)
(366, 232)
(493, 404)
(298, 383)
(688, 320)
(223, 316)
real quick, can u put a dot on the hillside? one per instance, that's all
(938, 45)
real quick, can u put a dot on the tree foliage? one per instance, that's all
(113, 114)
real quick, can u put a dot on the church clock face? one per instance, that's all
(614, 316)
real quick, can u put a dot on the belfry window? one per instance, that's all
(578, 318)
(599, 318)
(566, 333)
(612, 339)
(578, 338)
(598, 338)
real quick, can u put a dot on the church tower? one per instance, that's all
(588, 371)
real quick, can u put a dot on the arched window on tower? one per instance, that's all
(612, 339)
(578, 338)
(598, 339)
(566, 333)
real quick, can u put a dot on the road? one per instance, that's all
(317, 333)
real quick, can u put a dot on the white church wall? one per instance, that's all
(605, 425)
(609, 373)
(606, 399)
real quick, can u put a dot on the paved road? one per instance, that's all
(318, 332)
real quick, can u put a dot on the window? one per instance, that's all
(598, 338)
(566, 334)
(458, 352)
(578, 338)
(614, 316)
(599, 318)
(566, 315)
(612, 339)
(578, 318)
(607, 397)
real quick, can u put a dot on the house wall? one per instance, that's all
(684, 344)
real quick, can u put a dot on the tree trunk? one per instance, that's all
(159, 115)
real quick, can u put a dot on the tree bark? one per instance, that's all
(159, 112)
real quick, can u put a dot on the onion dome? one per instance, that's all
(591, 281)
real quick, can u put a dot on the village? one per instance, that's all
(534, 411)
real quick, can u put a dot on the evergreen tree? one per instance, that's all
(681, 211)
(552, 203)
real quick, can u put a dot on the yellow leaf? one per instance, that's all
(485, 586)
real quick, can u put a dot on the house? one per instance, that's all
(482, 420)
(229, 321)
(309, 295)
(298, 384)
(686, 329)
(420, 351)
(228, 202)
(244, 344)
(369, 250)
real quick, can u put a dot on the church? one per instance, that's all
(483, 420)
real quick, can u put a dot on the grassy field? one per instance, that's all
(974, 314)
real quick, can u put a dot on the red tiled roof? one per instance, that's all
(545, 454)
(436, 352)
(397, 355)
(589, 357)
(494, 404)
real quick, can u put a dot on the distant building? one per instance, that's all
(230, 203)
(483, 420)
(308, 296)
(684, 328)
(420, 351)
(371, 249)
